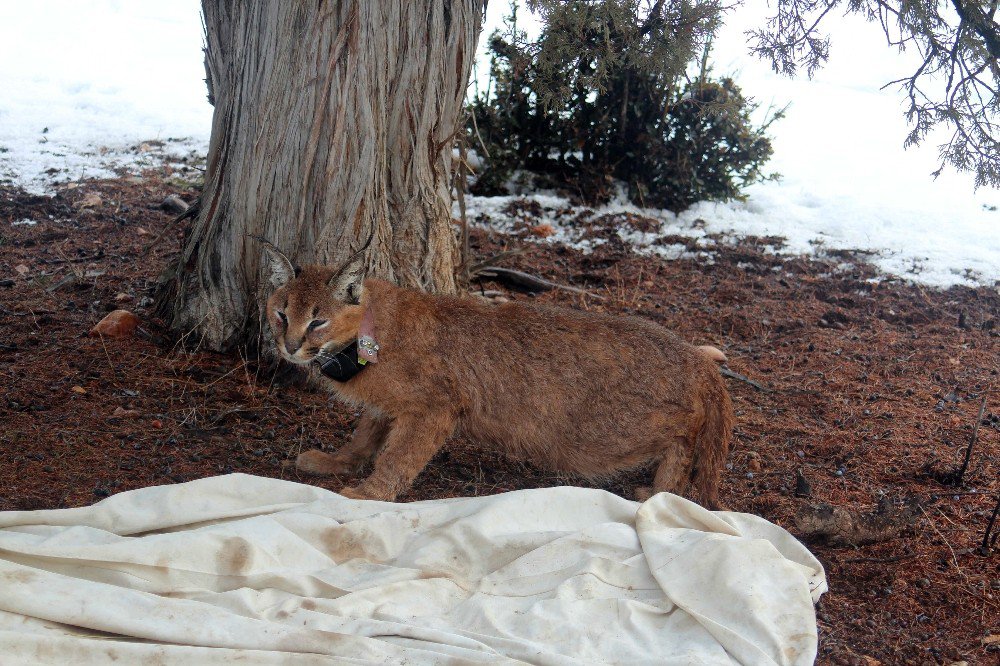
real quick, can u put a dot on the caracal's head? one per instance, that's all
(314, 310)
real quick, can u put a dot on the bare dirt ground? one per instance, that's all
(866, 392)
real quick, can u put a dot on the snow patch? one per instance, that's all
(915, 245)
(92, 84)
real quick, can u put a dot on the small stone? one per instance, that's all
(117, 324)
(923, 582)
(121, 297)
(79, 389)
(174, 204)
(22, 269)
(91, 200)
(141, 232)
(542, 230)
(121, 413)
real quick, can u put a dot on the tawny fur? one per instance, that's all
(578, 392)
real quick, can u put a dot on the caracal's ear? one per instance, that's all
(282, 269)
(347, 283)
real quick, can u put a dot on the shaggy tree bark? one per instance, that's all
(333, 121)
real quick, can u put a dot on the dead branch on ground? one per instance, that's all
(839, 526)
(523, 280)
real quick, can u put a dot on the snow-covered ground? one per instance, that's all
(86, 81)
(846, 180)
(90, 85)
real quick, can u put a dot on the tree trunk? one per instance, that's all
(333, 121)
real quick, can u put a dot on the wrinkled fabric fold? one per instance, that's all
(266, 571)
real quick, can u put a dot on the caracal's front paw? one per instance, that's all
(354, 492)
(317, 463)
(367, 491)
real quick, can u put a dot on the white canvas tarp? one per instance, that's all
(253, 570)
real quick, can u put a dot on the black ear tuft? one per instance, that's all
(354, 293)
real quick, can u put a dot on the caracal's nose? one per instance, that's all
(292, 346)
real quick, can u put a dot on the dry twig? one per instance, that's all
(984, 548)
(528, 281)
(726, 372)
(192, 211)
(972, 441)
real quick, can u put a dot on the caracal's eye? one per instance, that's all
(317, 323)
(282, 318)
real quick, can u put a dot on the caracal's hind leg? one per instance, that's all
(368, 436)
(673, 472)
